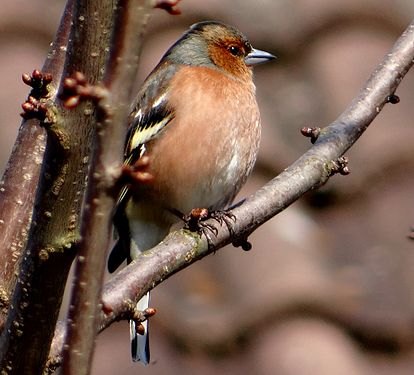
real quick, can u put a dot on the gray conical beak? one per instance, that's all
(256, 57)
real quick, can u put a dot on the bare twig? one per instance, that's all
(113, 110)
(180, 249)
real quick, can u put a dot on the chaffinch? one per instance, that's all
(197, 121)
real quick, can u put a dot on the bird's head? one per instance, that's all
(215, 44)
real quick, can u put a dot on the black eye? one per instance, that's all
(235, 51)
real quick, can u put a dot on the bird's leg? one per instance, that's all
(195, 222)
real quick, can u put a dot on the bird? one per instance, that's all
(196, 121)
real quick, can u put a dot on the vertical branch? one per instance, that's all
(18, 186)
(55, 225)
(130, 20)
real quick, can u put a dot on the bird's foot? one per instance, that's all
(195, 221)
(225, 217)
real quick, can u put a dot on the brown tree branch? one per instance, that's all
(55, 225)
(181, 248)
(19, 182)
(113, 110)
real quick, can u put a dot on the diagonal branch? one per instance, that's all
(313, 169)
(180, 249)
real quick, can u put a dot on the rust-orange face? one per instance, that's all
(229, 53)
(230, 50)
(214, 44)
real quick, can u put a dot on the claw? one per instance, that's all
(195, 221)
(225, 217)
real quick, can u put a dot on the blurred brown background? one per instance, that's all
(329, 285)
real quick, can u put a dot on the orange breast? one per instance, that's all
(203, 157)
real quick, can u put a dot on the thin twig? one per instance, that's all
(113, 110)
